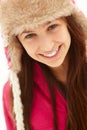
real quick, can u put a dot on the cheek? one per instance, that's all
(68, 39)
(63, 37)
(30, 49)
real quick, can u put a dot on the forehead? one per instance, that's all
(44, 24)
(30, 30)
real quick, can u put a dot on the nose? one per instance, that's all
(46, 43)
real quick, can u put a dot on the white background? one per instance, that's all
(4, 68)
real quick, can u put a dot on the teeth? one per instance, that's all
(51, 54)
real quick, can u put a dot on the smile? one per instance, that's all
(52, 54)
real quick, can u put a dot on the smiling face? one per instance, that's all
(48, 43)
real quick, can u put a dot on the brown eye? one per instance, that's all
(30, 35)
(52, 27)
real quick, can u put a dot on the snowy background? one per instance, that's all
(4, 68)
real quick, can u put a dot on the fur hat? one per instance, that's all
(19, 15)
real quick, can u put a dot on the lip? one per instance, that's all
(50, 57)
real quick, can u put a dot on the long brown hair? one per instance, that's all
(75, 91)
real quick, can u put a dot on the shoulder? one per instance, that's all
(8, 106)
(7, 94)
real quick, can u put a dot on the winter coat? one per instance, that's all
(42, 115)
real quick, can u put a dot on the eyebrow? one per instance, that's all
(25, 31)
(48, 22)
(30, 31)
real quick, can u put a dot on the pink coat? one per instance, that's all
(42, 115)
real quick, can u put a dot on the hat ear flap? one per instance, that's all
(13, 53)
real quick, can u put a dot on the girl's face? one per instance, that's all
(48, 43)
